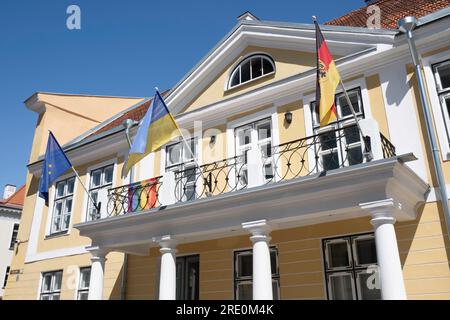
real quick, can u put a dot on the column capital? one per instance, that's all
(382, 211)
(97, 253)
(167, 243)
(259, 230)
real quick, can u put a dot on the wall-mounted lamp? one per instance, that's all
(288, 117)
(212, 139)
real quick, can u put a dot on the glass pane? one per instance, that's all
(66, 222)
(45, 297)
(275, 291)
(444, 75)
(352, 134)
(245, 72)
(341, 286)
(315, 113)
(245, 291)
(235, 80)
(256, 67)
(57, 281)
(83, 295)
(192, 265)
(96, 178)
(268, 171)
(179, 278)
(70, 186)
(366, 252)
(367, 286)
(328, 140)
(447, 104)
(264, 131)
(55, 297)
(330, 161)
(266, 150)
(174, 154)
(273, 261)
(354, 155)
(60, 189)
(244, 136)
(245, 265)
(188, 153)
(47, 283)
(345, 108)
(58, 208)
(243, 177)
(85, 277)
(108, 175)
(68, 206)
(267, 66)
(338, 255)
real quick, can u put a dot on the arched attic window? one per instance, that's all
(251, 68)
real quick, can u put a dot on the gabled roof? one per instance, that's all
(391, 11)
(15, 200)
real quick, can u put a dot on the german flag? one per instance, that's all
(327, 80)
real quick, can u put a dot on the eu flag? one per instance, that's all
(55, 164)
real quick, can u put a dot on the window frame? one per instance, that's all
(97, 189)
(5, 279)
(442, 93)
(237, 68)
(338, 126)
(52, 292)
(354, 268)
(186, 162)
(249, 279)
(56, 199)
(80, 289)
(14, 235)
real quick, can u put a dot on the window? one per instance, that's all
(14, 236)
(251, 68)
(340, 142)
(83, 283)
(179, 159)
(6, 277)
(62, 207)
(100, 182)
(188, 278)
(51, 285)
(346, 268)
(255, 135)
(243, 274)
(442, 77)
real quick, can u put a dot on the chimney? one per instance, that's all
(9, 191)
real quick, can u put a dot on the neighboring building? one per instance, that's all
(10, 212)
(320, 219)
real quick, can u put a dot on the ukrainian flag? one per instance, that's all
(157, 128)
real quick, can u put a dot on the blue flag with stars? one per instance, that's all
(55, 164)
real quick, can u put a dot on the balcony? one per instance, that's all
(325, 177)
(317, 154)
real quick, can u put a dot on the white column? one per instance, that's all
(390, 268)
(168, 272)
(97, 274)
(262, 271)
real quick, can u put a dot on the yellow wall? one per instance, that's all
(287, 63)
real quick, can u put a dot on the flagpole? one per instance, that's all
(85, 189)
(190, 151)
(366, 139)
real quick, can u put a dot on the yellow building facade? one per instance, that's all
(279, 208)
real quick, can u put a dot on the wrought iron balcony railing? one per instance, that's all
(327, 150)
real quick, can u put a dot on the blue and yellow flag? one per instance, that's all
(157, 128)
(55, 164)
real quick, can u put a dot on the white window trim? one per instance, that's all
(349, 85)
(78, 275)
(41, 278)
(227, 86)
(112, 162)
(439, 121)
(51, 204)
(199, 141)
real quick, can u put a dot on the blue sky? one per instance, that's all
(124, 48)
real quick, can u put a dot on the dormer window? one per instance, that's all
(251, 68)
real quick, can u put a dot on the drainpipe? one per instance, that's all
(406, 25)
(127, 124)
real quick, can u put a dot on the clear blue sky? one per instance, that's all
(124, 48)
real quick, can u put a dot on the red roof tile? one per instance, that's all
(391, 12)
(16, 199)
